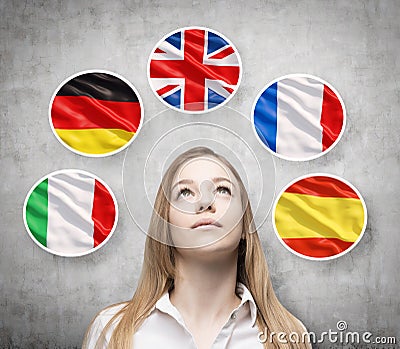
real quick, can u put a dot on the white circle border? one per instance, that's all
(330, 176)
(54, 173)
(200, 112)
(306, 76)
(102, 71)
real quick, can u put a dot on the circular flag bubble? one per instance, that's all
(70, 213)
(95, 113)
(319, 216)
(298, 117)
(194, 70)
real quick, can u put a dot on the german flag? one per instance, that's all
(96, 113)
(319, 217)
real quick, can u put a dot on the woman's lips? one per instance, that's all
(206, 223)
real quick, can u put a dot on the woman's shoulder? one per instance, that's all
(106, 314)
(302, 325)
(304, 333)
(100, 321)
(111, 310)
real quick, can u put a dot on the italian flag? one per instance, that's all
(70, 213)
(320, 217)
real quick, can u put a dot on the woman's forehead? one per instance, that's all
(204, 168)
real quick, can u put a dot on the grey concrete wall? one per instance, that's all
(47, 301)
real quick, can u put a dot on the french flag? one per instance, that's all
(298, 117)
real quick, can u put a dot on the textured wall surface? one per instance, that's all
(48, 301)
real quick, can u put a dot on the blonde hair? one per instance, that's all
(158, 271)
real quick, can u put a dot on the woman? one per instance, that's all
(205, 281)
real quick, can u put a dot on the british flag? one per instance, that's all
(194, 70)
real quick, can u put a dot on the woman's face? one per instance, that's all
(205, 205)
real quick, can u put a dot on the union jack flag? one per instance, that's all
(194, 70)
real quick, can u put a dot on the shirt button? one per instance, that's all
(233, 316)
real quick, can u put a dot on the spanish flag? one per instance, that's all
(96, 114)
(320, 217)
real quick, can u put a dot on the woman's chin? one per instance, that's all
(206, 242)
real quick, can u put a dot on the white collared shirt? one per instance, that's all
(165, 328)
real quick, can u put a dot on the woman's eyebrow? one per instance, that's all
(214, 179)
(183, 181)
(221, 179)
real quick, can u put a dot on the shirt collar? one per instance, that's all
(164, 304)
(244, 293)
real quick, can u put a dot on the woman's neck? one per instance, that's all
(205, 289)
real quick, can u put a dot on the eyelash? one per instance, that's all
(182, 191)
(226, 188)
(219, 187)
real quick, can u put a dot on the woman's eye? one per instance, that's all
(185, 192)
(224, 190)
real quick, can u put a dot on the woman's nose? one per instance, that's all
(209, 207)
(206, 207)
(206, 201)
